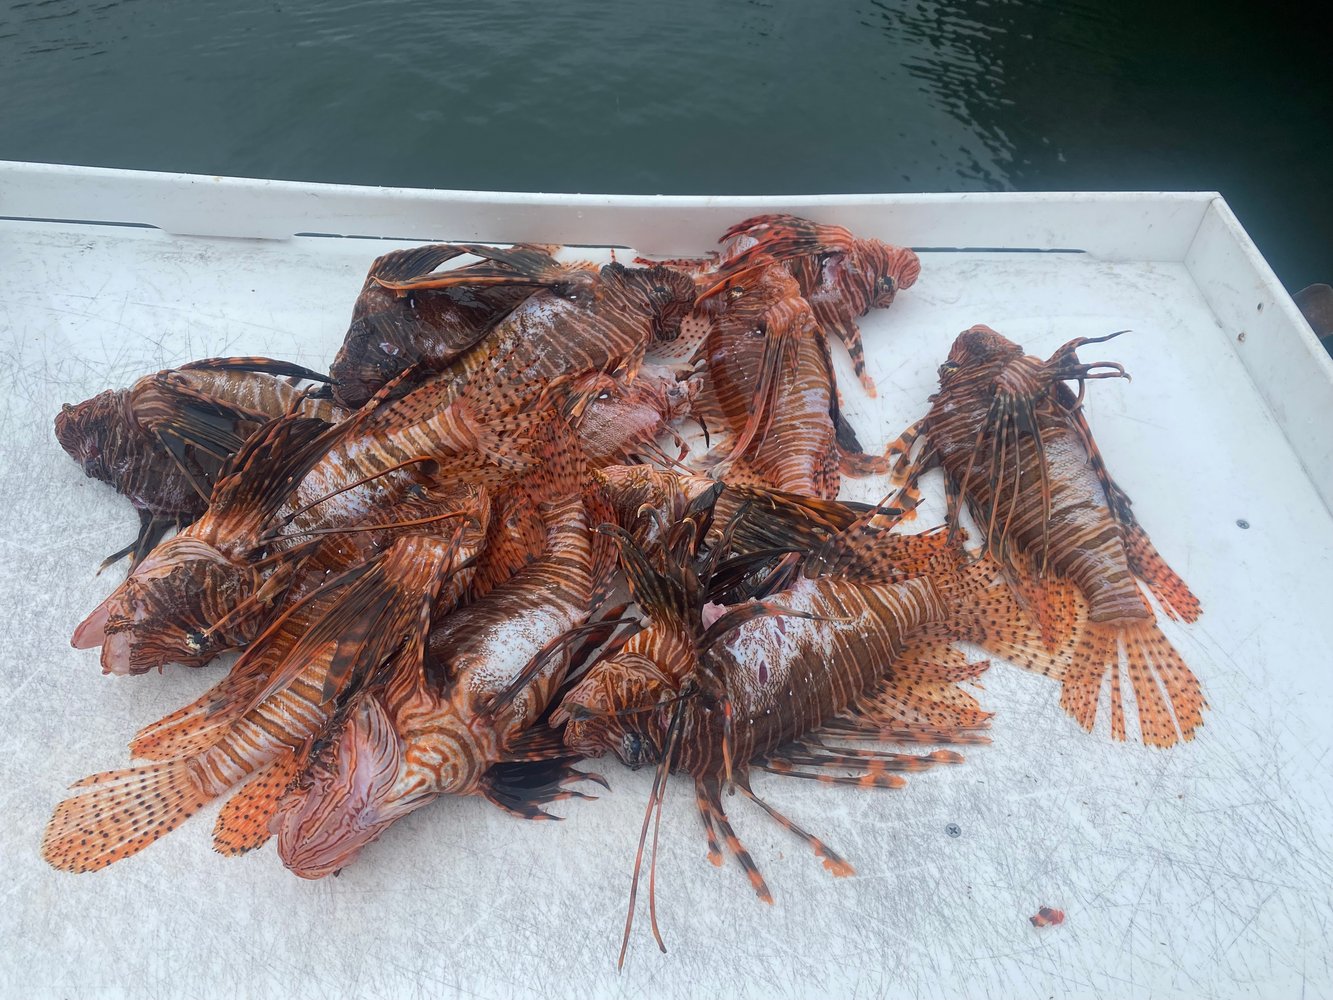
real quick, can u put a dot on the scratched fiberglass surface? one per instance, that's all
(1198, 871)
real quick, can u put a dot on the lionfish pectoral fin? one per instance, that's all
(175, 448)
(151, 529)
(516, 266)
(779, 355)
(521, 789)
(847, 331)
(121, 813)
(243, 824)
(262, 474)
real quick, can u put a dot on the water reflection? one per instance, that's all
(759, 97)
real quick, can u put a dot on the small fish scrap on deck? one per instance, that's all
(482, 550)
(1047, 917)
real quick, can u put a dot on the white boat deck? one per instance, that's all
(1201, 871)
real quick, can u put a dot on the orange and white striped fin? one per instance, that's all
(121, 813)
(1168, 696)
(1147, 564)
(708, 797)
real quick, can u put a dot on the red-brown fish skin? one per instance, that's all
(1014, 445)
(431, 731)
(242, 727)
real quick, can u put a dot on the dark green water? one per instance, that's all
(759, 97)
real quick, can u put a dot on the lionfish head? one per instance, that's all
(876, 271)
(617, 707)
(621, 416)
(352, 789)
(670, 299)
(978, 348)
(164, 610)
(92, 433)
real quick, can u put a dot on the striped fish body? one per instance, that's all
(599, 317)
(792, 444)
(787, 676)
(250, 721)
(114, 435)
(427, 732)
(1079, 534)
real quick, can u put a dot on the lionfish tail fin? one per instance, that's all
(1168, 696)
(121, 814)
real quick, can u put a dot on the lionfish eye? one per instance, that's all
(886, 283)
(948, 368)
(661, 290)
(631, 750)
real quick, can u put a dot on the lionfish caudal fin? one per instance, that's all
(518, 265)
(243, 823)
(1080, 654)
(1168, 696)
(121, 813)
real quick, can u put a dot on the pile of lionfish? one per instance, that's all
(480, 549)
